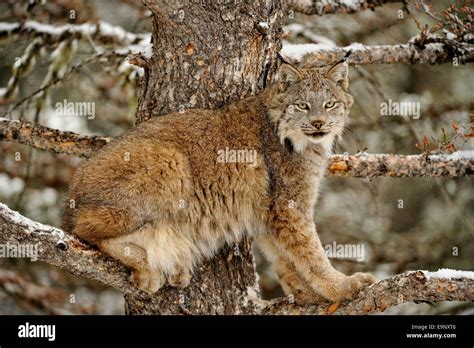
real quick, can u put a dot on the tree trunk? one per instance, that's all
(208, 54)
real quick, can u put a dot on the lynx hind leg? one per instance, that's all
(171, 251)
(130, 250)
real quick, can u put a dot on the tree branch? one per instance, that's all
(315, 7)
(418, 286)
(364, 165)
(60, 249)
(72, 255)
(50, 139)
(360, 165)
(442, 51)
(102, 32)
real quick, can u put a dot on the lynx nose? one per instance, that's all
(318, 124)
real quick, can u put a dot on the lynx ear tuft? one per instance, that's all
(339, 73)
(288, 75)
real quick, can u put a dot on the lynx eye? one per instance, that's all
(329, 104)
(302, 105)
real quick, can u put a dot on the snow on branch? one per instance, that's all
(364, 165)
(65, 37)
(442, 51)
(74, 256)
(323, 7)
(49, 139)
(415, 286)
(361, 165)
(102, 32)
(51, 245)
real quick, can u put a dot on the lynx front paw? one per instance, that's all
(361, 280)
(351, 285)
(147, 281)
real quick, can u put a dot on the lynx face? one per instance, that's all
(311, 105)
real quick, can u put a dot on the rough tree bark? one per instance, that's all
(207, 54)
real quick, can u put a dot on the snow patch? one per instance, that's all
(125, 68)
(295, 28)
(446, 273)
(455, 156)
(264, 25)
(30, 225)
(102, 27)
(450, 35)
(299, 51)
(118, 32)
(45, 28)
(144, 47)
(6, 27)
(352, 4)
(133, 43)
(435, 46)
(356, 46)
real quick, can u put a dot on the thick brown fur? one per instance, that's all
(163, 196)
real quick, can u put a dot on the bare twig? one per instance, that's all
(58, 79)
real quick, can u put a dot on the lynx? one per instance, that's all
(158, 199)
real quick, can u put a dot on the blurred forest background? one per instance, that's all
(404, 224)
